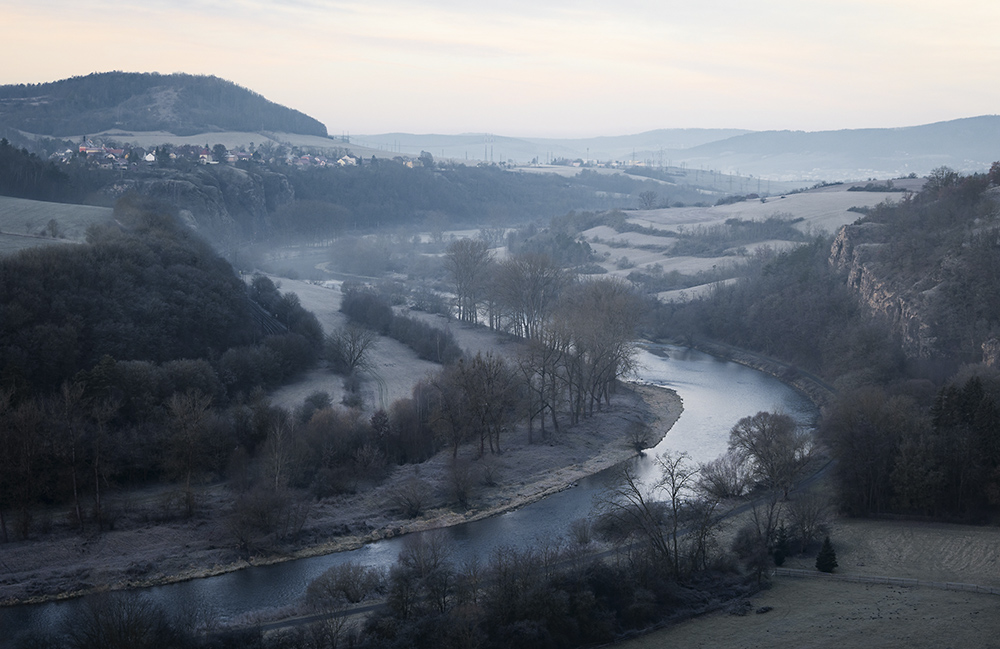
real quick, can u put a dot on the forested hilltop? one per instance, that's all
(182, 104)
(900, 313)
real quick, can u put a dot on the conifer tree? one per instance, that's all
(781, 546)
(826, 560)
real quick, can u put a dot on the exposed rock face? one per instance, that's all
(277, 190)
(991, 352)
(220, 200)
(204, 203)
(905, 309)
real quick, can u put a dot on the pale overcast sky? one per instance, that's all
(542, 68)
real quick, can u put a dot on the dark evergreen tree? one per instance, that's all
(781, 546)
(826, 560)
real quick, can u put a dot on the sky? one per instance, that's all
(553, 68)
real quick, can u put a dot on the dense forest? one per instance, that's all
(111, 340)
(182, 104)
(25, 175)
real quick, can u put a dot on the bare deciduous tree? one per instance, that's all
(809, 515)
(528, 286)
(468, 262)
(122, 620)
(772, 446)
(349, 348)
(186, 451)
(677, 478)
(724, 477)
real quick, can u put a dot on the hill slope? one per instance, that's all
(967, 145)
(182, 104)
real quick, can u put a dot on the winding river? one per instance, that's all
(716, 394)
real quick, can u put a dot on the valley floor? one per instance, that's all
(143, 551)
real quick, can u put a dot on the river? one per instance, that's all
(716, 394)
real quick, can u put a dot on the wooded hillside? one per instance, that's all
(182, 104)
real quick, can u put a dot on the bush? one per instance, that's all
(411, 497)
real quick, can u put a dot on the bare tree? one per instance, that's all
(493, 236)
(724, 477)
(809, 515)
(528, 286)
(468, 262)
(598, 320)
(772, 446)
(279, 450)
(102, 411)
(423, 575)
(186, 448)
(349, 348)
(23, 440)
(677, 478)
(346, 583)
(122, 620)
(70, 406)
(7, 458)
(491, 396)
(540, 366)
(630, 510)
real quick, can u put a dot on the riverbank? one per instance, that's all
(143, 552)
(814, 388)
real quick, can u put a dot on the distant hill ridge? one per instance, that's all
(182, 104)
(968, 145)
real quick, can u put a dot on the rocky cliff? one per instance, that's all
(855, 252)
(221, 201)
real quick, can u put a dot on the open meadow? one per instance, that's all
(28, 224)
(818, 612)
(817, 211)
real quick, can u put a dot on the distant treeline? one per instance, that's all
(384, 193)
(370, 309)
(25, 175)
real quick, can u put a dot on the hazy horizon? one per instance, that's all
(556, 70)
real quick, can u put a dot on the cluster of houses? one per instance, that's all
(112, 157)
(321, 161)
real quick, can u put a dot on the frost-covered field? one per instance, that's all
(820, 613)
(25, 223)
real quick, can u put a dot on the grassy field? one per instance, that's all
(821, 613)
(24, 223)
(822, 211)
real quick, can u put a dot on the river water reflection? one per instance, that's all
(716, 394)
